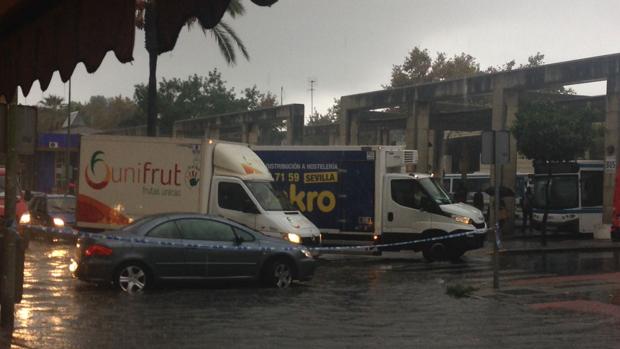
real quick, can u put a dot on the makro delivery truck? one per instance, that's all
(364, 192)
(124, 178)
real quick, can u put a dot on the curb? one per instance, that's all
(518, 251)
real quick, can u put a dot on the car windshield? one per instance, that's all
(61, 204)
(563, 191)
(269, 198)
(435, 190)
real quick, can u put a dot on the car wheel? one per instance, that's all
(280, 274)
(132, 278)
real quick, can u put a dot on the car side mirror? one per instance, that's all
(239, 240)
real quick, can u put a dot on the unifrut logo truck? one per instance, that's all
(365, 193)
(125, 178)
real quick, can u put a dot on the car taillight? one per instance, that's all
(97, 250)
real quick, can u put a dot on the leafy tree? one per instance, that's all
(254, 99)
(420, 67)
(108, 112)
(547, 132)
(331, 117)
(197, 96)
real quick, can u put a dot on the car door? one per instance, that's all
(167, 254)
(403, 213)
(225, 259)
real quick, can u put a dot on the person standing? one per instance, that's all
(526, 206)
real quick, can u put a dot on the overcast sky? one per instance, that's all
(349, 46)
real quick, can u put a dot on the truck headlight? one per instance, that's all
(58, 222)
(294, 238)
(24, 219)
(462, 219)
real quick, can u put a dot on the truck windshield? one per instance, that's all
(435, 190)
(268, 198)
(563, 189)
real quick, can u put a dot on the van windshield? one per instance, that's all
(269, 198)
(435, 191)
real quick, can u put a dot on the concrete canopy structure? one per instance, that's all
(254, 127)
(484, 102)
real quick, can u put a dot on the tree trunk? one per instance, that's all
(150, 34)
(546, 212)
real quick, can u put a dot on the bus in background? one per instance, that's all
(576, 195)
(481, 181)
(615, 221)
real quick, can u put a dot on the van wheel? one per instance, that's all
(435, 252)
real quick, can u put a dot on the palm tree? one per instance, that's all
(224, 35)
(52, 102)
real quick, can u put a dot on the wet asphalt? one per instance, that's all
(354, 301)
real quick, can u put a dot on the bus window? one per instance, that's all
(564, 192)
(591, 188)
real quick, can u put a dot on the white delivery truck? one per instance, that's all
(365, 193)
(124, 178)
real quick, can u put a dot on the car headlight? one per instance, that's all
(306, 253)
(462, 219)
(294, 238)
(58, 222)
(24, 219)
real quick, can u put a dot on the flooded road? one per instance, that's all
(353, 301)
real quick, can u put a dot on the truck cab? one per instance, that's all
(417, 205)
(242, 190)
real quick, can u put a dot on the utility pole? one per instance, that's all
(281, 95)
(68, 153)
(8, 294)
(312, 89)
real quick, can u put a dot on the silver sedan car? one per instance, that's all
(187, 247)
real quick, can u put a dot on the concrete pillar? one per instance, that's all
(505, 108)
(253, 132)
(353, 137)
(295, 125)
(422, 112)
(438, 150)
(612, 148)
(345, 122)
